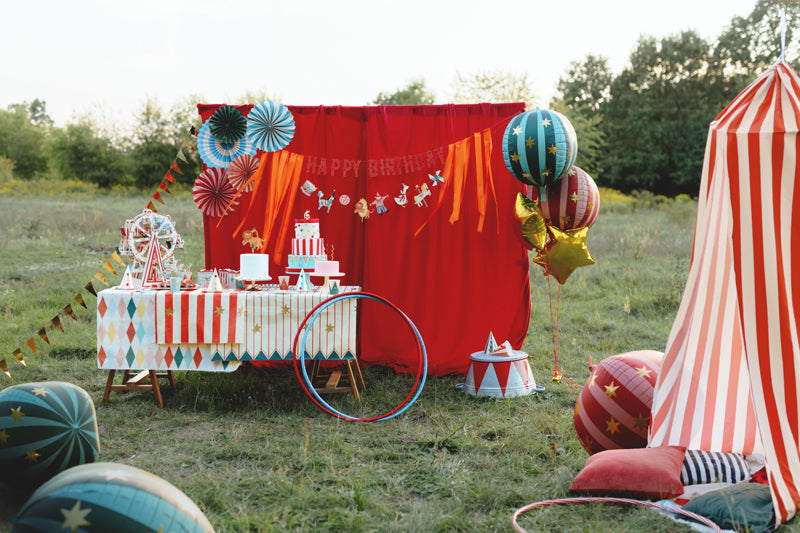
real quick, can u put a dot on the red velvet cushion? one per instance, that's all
(653, 473)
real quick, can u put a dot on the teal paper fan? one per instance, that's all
(227, 124)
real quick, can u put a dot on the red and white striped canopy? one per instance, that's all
(729, 378)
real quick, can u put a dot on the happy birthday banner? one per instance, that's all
(183, 153)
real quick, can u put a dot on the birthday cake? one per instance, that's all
(307, 246)
(254, 267)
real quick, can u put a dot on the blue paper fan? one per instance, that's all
(219, 154)
(270, 126)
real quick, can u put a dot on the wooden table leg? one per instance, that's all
(137, 383)
(109, 384)
(352, 378)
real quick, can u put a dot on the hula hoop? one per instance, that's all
(305, 381)
(519, 512)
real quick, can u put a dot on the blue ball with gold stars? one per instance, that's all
(103, 497)
(45, 428)
(539, 147)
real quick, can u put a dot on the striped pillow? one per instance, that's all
(713, 467)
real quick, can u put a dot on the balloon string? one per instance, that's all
(558, 372)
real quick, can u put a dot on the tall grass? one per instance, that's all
(256, 455)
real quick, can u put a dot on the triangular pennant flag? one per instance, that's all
(215, 284)
(174, 166)
(18, 354)
(181, 156)
(110, 268)
(127, 279)
(56, 321)
(4, 367)
(168, 177)
(163, 187)
(43, 334)
(79, 298)
(99, 275)
(116, 257)
(151, 207)
(157, 196)
(89, 287)
(32, 345)
(491, 343)
(68, 310)
(193, 131)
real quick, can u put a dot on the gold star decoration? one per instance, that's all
(329, 328)
(611, 390)
(529, 142)
(546, 122)
(553, 149)
(577, 408)
(573, 197)
(38, 391)
(168, 311)
(241, 311)
(526, 174)
(641, 421)
(75, 517)
(3, 436)
(612, 426)
(32, 456)
(219, 310)
(545, 172)
(565, 252)
(643, 372)
(517, 130)
(17, 413)
(592, 379)
(571, 171)
(256, 328)
(285, 309)
(565, 220)
(589, 206)
(515, 158)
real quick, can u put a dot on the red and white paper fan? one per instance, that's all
(242, 169)
(212, 191)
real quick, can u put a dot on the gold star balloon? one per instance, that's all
(565, 252)
(534, 227)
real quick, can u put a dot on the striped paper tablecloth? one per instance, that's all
(216, 331)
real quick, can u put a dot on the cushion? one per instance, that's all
(742, 507)
(713, 467)
(653, 473)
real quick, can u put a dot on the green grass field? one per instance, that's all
(256, 455)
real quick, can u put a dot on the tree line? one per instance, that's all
(643, 128)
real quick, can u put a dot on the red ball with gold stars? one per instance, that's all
(539, 147)
(613, 408)
(573, 202)
(45, 428)
(103, 497)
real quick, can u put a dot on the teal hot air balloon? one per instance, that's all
(45, 428)
(103, 497)
(539, 147)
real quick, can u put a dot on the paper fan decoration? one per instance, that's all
(227, 124)
(242, 169)
(270, 126)
(212, 191)
(216, 153)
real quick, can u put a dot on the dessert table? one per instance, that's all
(158, 331)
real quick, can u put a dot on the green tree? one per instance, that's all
(495, 86)
(22, 142)
(656, 119)
(154, 146)
(591, 137)
(586, 84)
(80, 153)
(414, 93)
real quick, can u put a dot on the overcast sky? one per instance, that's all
(108, 56)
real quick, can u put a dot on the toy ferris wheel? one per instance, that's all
(145, 228)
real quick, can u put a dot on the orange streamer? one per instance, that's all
(257, 175)
(460, 176)
(447, 174)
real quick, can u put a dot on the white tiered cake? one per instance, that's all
(307, 246)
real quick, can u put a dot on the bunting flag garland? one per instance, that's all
(18, 354)
(79, 298)
(163, 187)
(32, 345)
(116, 257)
(168, 177)
(99, 275)
(68, 310)
(56, 321)
(43, 334)
(89, 287)
(107, 265)
(174, 166)
(157, 196)
(4, 367)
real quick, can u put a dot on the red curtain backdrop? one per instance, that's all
(456, 264)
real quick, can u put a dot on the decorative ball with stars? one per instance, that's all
(104, 497)
(539, 147)
(45, 428)
(573, 202)
(613, 408)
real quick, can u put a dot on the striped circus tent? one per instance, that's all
(729, 378)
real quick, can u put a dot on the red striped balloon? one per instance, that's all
(573, 202)
(613, 408)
